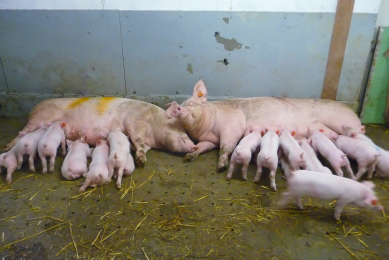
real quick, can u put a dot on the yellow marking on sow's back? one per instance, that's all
(103, 103)
(77, 102)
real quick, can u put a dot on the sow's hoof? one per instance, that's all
(222, 165)
(190, 157)
(221, 168)
(140, 159)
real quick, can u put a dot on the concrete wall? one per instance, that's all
(383, 14)
(156, 52)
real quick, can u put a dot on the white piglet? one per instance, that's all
(75, 164)
(128, 169)
(118, 154)
(98, 168)
(292, 151)
(361, 151)
(382, 166)
(268, 157)
(327, 148)
(243, 151)
(28, 144)
(330, 187)
(312, 162)
(10, 162)
(48, 145)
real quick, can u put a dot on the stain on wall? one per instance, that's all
(189, 68)
(229, 44)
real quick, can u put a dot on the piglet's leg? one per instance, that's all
(339, 208)
(371, 171)
(299, 203)
(273, 179)
(44, 163)
(231, 169)
(286, 196)
(338, 171)
(244, 170)
(361, 171)
(52, 163)
(350, 171)
(10, 170)
(31, 163)
(119, 179)
(259, 172)
(202, 148)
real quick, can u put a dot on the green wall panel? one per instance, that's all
(375, 99)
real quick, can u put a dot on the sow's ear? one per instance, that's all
(200, 92)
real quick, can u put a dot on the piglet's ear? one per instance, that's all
(369, 184)
(200, 92)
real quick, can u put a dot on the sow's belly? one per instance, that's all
(294, 113)
(91, 117)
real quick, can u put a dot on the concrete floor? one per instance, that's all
(176, 210)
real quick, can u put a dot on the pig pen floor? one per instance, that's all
(176, 210)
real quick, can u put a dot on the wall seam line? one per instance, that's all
(121, 42)
(5, 78)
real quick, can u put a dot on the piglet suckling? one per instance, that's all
(10, 162)
(28, 145)
(361, 151)
(48, 144)
(128, 169)
(312, 162)
(382, 166)
(268, 157)
(243, 152)
(75, 164)
(292, 150)
(98, 168)
(327, 149)
(285, 166)
(330, 187)
(118, 154)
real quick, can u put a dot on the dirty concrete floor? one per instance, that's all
(176, 210)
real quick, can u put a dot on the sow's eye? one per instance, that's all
(374, 202)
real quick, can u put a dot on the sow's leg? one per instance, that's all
(137, 135)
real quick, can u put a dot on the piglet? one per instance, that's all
(128, 169)
(327, 148)
(28, 144)
(268, 157)
(10, 162)
(382, 166)
(330, 187)
(48, 145)
(312, 162)
(364, 153)
(243, 151)
(292, 150)
(285, 166)
(118, 154)
(98, 168)
(75, 164)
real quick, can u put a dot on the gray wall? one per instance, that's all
(158, 56)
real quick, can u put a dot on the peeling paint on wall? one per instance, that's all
(229, 44)
(189, 68)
